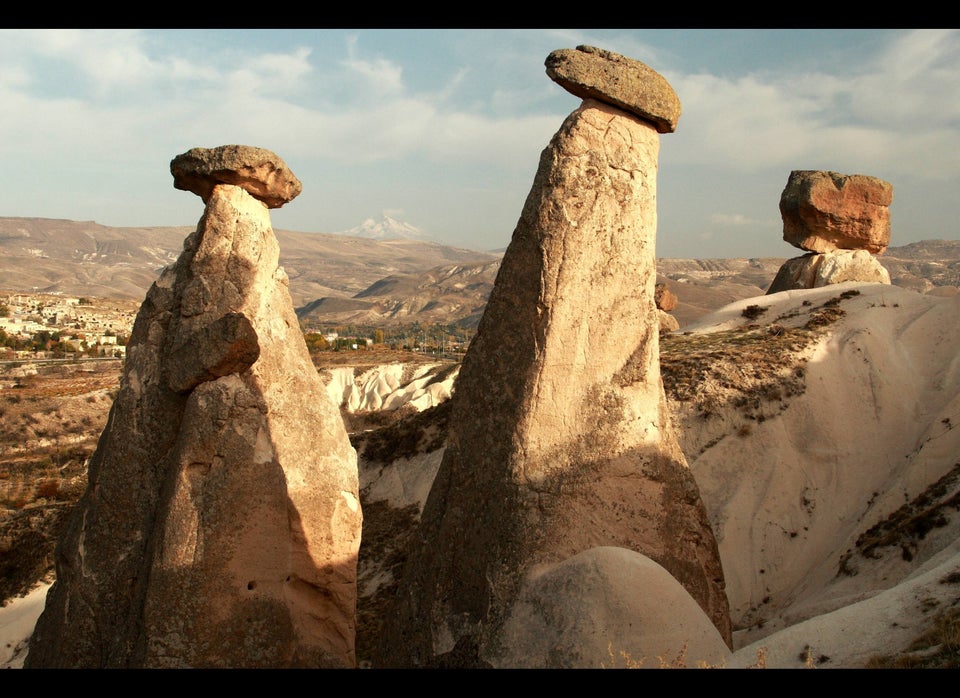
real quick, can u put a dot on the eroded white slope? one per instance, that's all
(874, 429)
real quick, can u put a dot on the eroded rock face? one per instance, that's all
(594, 73)
(560, 440)
(221, 524)
(824, 211)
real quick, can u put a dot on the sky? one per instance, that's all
(443, 128)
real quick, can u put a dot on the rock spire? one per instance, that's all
(221, 523)
(561, 452)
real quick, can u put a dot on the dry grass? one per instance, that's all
(750, 366)
(908, 525)
(754, 368)
(938, 648)
(406, 434)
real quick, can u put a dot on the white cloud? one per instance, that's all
(744, 123)
(382, 75)
(731, 219)
(914, 86)
(271, 73)
(898, 113)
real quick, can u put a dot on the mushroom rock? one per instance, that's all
(221, 523)
(560, 441)
(256, 170)
(843, 220)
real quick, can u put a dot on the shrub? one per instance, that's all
(752, 312)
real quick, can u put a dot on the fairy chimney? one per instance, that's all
(560, 444)
(221, 523)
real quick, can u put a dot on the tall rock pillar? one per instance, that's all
(560, 441)
(221, 523)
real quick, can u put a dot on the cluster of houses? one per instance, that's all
(83, 326)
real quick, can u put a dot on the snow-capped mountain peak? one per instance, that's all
(386, 228)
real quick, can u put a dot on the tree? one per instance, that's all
(315, 342)
(42, 340)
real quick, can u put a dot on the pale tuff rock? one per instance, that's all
(258, 171)
(834, 267)
(390, 386)
(668, 323)
(594, 73)
(221, 524)
(559, 439)
(824, 211)
(587, 607)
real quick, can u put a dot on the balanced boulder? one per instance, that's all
(843, 220)
(824, 211)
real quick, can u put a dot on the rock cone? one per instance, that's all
(560, 441)
(221, 523)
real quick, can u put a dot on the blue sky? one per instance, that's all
(443, 128)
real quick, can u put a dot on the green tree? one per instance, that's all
(315, 342)
(42, 340)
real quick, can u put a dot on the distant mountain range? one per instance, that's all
(86, 258)
(366, 279)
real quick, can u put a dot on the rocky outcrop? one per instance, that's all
(843, 220)
(391, 386)
(666, 300)
(221, 523)
(664, 297)
(834, 267)
(559, 440)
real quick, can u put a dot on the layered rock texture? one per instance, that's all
(221, 523)
(842, 220)
(560, 448)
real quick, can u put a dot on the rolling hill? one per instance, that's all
(342, 279)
